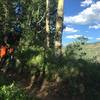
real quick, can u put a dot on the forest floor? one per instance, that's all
(43, 91)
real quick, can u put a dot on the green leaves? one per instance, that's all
(11, 92)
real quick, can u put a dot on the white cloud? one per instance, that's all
(97, 38)
(86, 3)
(75, 36)
(70, 29)
(95, 26)
(90, 15)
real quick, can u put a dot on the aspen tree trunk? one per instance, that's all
(59, 27)
(6, 13)
(47, 23)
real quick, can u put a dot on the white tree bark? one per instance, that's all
(59, 25)
(47, 22)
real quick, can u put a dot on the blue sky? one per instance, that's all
(81, 17)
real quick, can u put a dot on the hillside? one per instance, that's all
(93, 50)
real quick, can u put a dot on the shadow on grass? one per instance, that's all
(80, 80)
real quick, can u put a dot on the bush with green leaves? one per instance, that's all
(12, 92)
(75, 50)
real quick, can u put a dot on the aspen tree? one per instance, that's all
(59, 26)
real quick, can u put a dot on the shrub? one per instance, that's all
(12, 92)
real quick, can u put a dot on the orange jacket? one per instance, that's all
(3, 51)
